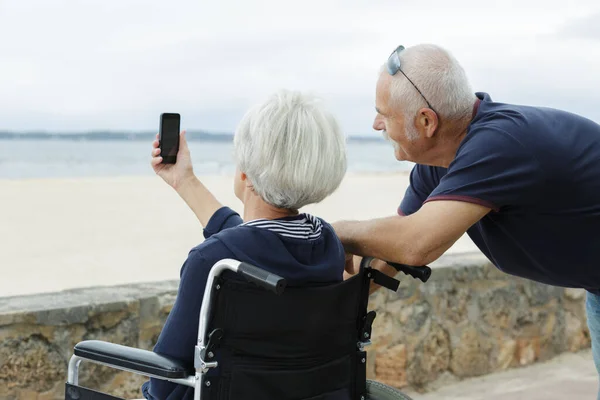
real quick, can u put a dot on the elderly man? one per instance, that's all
(523, 182)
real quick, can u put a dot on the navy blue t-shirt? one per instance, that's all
(303, 249)
(538, 169)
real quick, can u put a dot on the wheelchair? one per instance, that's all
(261, 339)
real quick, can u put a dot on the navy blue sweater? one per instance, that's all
(303, 249)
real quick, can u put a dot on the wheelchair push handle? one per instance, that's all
(262, 278)
(423, 273)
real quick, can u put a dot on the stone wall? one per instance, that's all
(468, 320)
(37, 335)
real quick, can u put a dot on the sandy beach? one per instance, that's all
(57, 234)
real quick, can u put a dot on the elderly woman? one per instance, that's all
(289, 153)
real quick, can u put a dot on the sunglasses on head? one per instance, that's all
(393, 67)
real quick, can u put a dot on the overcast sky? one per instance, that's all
(117, 64)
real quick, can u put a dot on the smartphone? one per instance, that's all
(168, 137)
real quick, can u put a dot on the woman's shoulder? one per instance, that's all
(209, 252)
(225, 244)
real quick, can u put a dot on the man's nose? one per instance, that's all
(378, 124)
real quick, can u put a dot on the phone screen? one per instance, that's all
(169, 137)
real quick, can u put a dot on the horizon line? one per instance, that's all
(137, 135)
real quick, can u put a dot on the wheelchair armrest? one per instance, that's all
(132, 359)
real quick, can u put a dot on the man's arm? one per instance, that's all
(417, 239)
(492, 170)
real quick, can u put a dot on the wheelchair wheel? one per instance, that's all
(379, 391)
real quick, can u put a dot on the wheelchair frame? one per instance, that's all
(87, 350)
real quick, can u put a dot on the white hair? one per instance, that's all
(292, 150)
(440, 78)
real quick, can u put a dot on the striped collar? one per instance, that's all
(302, 226)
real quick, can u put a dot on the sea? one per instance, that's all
(105, 154)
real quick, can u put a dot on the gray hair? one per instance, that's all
(440, 78)
(292, 150)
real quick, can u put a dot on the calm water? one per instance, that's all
(35, 158)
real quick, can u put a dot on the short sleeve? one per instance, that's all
(492, 168)
(423, 180)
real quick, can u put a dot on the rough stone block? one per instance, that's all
(430, 358)
(125, 385)
(506, 354)
(412, 317)
(371, 357)
(378, 300)
(383, 331)
(451, 303)
(499, 307)
(390, 366)
(575, 333)
(30, 363)
(574, 294)
(528, 350)
(470, 353)
(469, 273)
(407, 289)
(540, 294)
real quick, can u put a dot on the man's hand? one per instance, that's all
(353, 267)
(175, 175)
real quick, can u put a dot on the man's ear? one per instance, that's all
(428, 120)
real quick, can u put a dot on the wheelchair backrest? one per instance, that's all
(301, 344)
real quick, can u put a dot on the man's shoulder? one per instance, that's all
(526, 134)
(503, 120)
(525, 125)
(503, 129)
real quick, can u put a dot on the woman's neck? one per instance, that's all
(257, 208)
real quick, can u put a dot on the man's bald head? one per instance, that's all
(439, 77)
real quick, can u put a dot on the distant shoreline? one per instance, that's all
(192, 136)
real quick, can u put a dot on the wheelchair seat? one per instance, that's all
(284, 343)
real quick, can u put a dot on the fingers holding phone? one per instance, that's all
(170, 155)
(156, 159)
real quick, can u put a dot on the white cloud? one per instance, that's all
(117, 64)
(586, 27)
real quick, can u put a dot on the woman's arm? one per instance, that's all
(180, 332)
(200, 200)
(180, 176)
